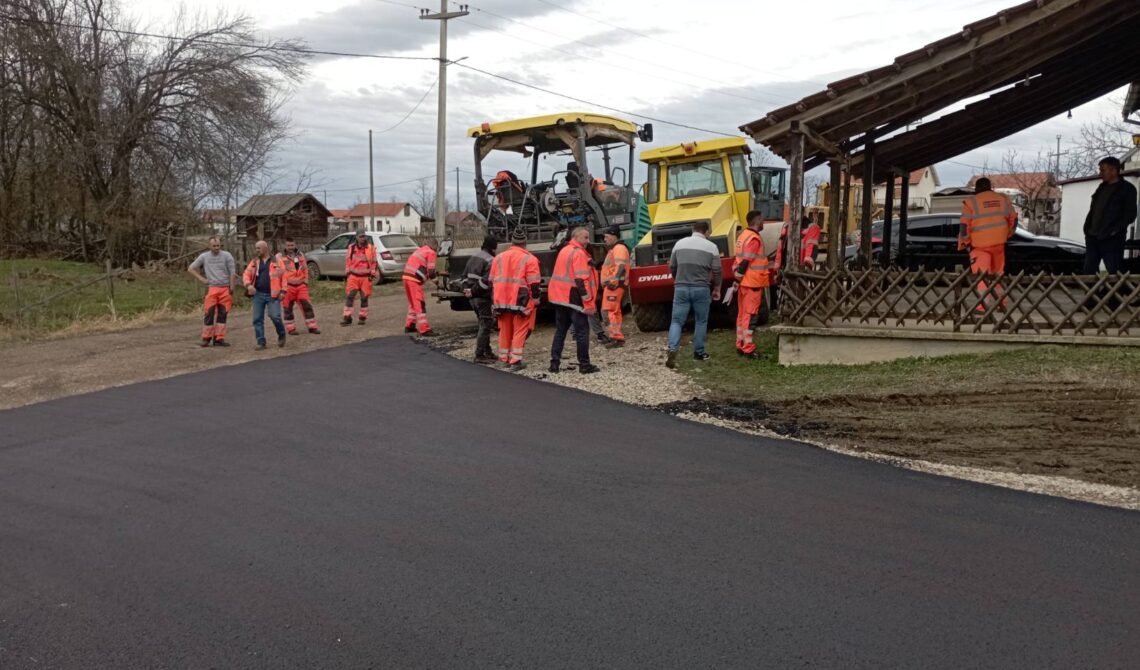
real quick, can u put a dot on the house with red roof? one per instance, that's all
(385, 217)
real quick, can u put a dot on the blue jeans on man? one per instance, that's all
(686, 298)
(261, 301)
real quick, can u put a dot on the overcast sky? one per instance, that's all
(712, 64)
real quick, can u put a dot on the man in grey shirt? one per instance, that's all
(695, 264)
(220, 277)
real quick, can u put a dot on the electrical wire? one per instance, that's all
(594, 104)
(413, 110)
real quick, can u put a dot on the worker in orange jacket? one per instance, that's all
(360, 270)
(751, 272)
(296, 288)
(516, 285)
(264, 280)
(220, 276)
(573, 291)
(615, 276)
(419, 268)
(988, 221)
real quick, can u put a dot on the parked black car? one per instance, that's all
(932, 242)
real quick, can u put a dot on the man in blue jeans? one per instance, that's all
(264, 280)
(695, 264)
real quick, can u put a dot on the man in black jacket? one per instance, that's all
(1113, 210)
(478, 289)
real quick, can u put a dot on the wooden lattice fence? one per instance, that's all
(1040, 304)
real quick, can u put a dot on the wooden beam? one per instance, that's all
(836, 226)
(888, 215)
(796, 198)
(868, 204)
(823, 144)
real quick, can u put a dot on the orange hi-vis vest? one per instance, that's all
(988, 220)
(420, 265)
(573, 284)
(276, 274)
(751, 265)
(809, 242)
(361, 261)
(514, 273)
(616, 265)
(296, 270)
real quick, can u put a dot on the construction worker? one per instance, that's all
(516, 286)
(220, 278)
(695, 266)
(419, 268)
(615, 274)
(264, 280)
(477, 288)
(988, 221)
(751, 272)
(810, 233)
(573, 291)
(360, 270)
(296, 288)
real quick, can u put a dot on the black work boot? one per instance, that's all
(346, 321)
(588, 369)
(554, 367)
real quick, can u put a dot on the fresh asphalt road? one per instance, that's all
(382, 505)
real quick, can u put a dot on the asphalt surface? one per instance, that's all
(382, 505)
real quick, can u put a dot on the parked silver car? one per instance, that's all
(392, 252)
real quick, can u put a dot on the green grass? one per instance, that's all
(138, 296)
(731, 377)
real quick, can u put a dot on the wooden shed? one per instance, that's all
(281, 215)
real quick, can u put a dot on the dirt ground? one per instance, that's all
(1029, 444)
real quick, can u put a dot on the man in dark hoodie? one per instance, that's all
(477, 287)
(1113, 210)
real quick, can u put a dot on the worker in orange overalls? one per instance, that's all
(296, 288)
(360, 270)
(615, 275)
(220, 277)
(573, 290)
(751, 271)
(516, 285)
(419, 268)
(988, 221)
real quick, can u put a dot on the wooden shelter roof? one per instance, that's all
(1034, 60)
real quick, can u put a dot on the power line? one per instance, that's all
(204, 40)
(413, 110)
(609, 63)
(395, 183)
(594, 104)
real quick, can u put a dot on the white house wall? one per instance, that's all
(1076, 199)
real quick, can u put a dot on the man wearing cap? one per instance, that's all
(477, 288)
(360, 270)
(615, 274)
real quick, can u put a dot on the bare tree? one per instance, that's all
(1038, 195)
(1107, 136)
(423, 199)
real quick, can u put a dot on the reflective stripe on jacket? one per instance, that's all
(476, 273)
(515, 278)
(573, 284)
(421, 265)
(276, 275)
(751, 264)
(296, 269)
(616, 265)
(988, 220)
(809, 243)
(361, 261)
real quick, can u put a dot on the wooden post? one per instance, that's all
(836, 228)
(904, 214)
(110, 287)
(868, 204)
(888, 215)
(795, 198)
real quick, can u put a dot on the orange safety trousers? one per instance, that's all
(611, 305)
(294, 294)
(217, 305)
(747, 307)
(357, 284)
(989, 260)
(514, 328)
(417, 307)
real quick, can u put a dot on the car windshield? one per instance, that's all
(395, 241)
(690, 180)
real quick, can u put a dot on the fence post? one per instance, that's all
(110, 287)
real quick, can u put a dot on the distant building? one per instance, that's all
(949, 200)
(923, 183)
(1036, 195)
(465, 224)
(281, 215)
(385, 217)
(338, 221)
(1077, 200)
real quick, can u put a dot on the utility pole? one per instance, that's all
(1057, 163)
(457, 192)
(371, 185)
(441, 118)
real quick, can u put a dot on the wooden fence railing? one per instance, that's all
(1041, 304)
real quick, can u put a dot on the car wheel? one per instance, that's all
(314, 270)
